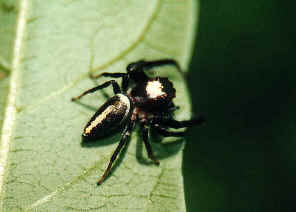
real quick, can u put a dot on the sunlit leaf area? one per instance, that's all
(238, 59)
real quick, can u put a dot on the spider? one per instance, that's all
(148, 103)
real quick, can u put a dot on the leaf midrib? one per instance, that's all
(10, 112)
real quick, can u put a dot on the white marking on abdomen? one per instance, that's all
(99, 119)
(127, 102)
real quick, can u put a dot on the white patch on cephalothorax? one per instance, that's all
(154, 89)
(99, 119)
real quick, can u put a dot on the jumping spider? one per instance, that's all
(148, 103)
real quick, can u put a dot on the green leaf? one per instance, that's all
(8, 14)
(57, 43)
(3, 95)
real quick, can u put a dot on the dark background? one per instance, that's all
(243, 79)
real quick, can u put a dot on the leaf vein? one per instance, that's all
(103, 66)
(10, 112)
(65, 187)
(134, 44)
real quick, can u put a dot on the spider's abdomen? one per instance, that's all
(109, 117)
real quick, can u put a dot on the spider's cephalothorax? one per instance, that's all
(149, 103)
(152, 94)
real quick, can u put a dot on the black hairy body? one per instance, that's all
(148, 103)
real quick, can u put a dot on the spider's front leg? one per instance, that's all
(106, 74)
(116, 89)
(124, 76)
(143, 65)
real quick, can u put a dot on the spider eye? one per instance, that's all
(135, 67)
(131, 67)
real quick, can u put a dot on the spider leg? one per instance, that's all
(147, 144)
(124, 76)
(125, 135)
(146, 65)
(164, 132)
(116, 89)
(187, 123)
(172, 107)
(106, 74)
(125, 83)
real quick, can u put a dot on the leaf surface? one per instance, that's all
(57, 43)
(8, 14)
